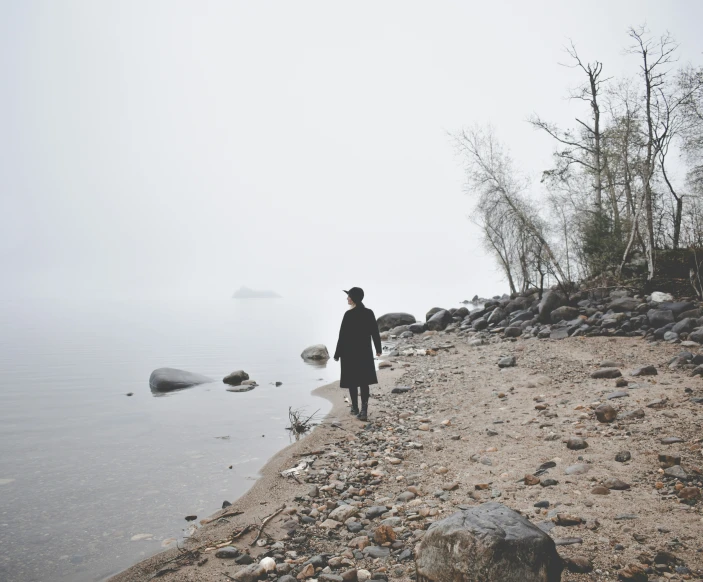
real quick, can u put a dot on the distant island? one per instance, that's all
(246, 293)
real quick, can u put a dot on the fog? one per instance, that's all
(171, 148)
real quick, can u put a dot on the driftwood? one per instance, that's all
(263, 523)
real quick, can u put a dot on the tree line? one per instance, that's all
(626, 181)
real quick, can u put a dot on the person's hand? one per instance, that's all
(336, 359)
(378, 354)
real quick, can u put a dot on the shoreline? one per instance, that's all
(269, 490)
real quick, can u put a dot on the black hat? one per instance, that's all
(356, 294)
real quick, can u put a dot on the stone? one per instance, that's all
(616, 484)
(551, 300)
(531, 480)
(690, 493)
(666, 461)
(251, 573)
(565, 519)
(606, 373)
(491, 543)
(375, 511)
(578, 469)
(623, 304)
(439, 320)
(171, 379)
(363, 575)
(677, 472)
(512, 332)
(576, 443)
(623, 456)
(633, 573)
(631, 414)
(617, 394)
(418, 327)
(606, 413)
(228, 553)
(507, 362)
(390, 320)
(578, 565)
(548, 482)
(384, 534)
(600, 490)
(644, 371)
(377, 552)
(671, 440)
(317, 352)
(660, 317)
(480, 324)
(564, 313)
(235, 378)
(343, 512)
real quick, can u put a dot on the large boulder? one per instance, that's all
(660, 317)
(439, 320)
(170, 379)
(677, 307)
(623, 304)
(236, 378)
(317, 352)
(490, 543)
(550, 301)
(418, 327)
(432, 311)
(518, 304)
(496, 315)
(564, 313)
(696, 335)
(391, 320)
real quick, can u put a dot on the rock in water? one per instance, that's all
(491, 543)
(170, 379)
(236, 378)
(391, 320)
(316, 352)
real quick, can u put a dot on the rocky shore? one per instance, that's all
(597, 441)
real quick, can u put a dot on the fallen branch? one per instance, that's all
(263, 523)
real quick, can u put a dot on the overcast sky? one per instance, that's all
(176, 148)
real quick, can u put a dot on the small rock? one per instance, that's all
(606, 373)
(623, 456)
(600, 490)
(578, 565)
(507, 362)
(606, 413)
(616, 484)
(531, 480)
(644, 371)
(576, 443)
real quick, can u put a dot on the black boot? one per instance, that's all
(354, 399)
(364, 409)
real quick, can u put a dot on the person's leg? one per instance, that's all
(364, 403)
(354, 397)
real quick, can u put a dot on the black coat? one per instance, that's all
(359, 327)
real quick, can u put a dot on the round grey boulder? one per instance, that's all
(317, 352)
(490, 543)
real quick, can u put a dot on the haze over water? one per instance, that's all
(84, 468)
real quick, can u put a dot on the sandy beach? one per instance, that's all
(459, 431)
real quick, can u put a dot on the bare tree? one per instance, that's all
(504, 209)
(656, 57)
(584, 146)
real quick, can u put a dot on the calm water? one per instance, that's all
(85, 468)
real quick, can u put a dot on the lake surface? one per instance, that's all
(93, 480)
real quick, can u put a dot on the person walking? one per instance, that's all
(358, 328)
